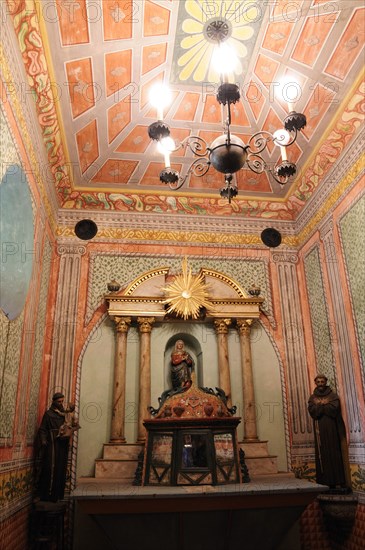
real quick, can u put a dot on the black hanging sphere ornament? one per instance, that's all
(86, 229)
(271, 237)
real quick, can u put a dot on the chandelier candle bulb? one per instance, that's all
(283, 152)
(160, 97)
(167, 159)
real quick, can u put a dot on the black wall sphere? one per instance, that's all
(86, 229)
(271, 237)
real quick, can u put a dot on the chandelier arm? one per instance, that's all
(197, 145)
(256, 163)
(180, 182)
(258, 142)
(199, 167)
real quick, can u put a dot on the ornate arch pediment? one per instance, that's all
(143, 282)
(147, 295)
(226, 283)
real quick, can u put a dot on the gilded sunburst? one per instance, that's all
(187, 294)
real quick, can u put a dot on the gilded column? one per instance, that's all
(249, 406)
(145, 329)
(120, 363)
(221, 327)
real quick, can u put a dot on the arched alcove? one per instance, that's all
(144, 297)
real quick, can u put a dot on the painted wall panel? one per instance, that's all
(354, 255)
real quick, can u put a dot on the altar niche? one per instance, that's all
(143, 304)
(192, 440)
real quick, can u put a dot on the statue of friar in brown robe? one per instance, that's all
(332, 462)
(55, 432)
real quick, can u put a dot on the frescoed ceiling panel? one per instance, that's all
(80, 85)
(106, 56)
(73, 22)
(349, 46)
(117, 21)
(312, 39)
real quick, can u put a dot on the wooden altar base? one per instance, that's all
(262, 514)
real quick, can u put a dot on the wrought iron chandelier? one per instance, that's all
(227, 153)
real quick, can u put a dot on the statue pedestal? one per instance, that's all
(47, 526)
(339, 513)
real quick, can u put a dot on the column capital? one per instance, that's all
(244, 325)
(66, 249)
(222, 325)
(145, 323)
(122, 323)
(326, 230)
(285, 257)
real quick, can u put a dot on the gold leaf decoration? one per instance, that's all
(187, 294)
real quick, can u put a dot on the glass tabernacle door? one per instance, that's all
(191, 456)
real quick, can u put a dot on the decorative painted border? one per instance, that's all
(22, 121)
(225, 232)
(307, 470)
(347, 181)
(25, 17)
(15, 488)
(335, 176)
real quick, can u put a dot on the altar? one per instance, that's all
(187, 448)
(262, 514)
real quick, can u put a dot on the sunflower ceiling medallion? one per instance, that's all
(187, 294)
(205, 23)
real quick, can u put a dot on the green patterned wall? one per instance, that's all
(354, 254)
(10, 331)
(319, 316)
(11, 339)
(39, 342)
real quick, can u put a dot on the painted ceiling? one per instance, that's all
(91, 66)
